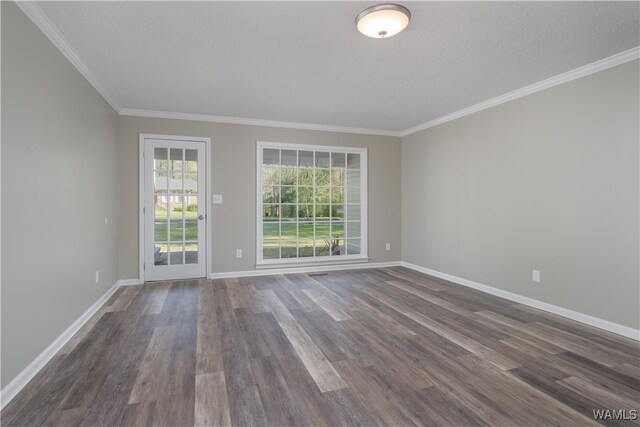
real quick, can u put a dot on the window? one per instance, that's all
(311, 203)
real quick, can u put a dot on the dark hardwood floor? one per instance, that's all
(367, 347)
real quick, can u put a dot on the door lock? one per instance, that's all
(201, 217)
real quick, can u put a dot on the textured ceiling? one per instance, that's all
(305, 62)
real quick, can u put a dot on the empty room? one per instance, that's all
(349, 213)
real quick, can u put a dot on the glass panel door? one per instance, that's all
(174, 244)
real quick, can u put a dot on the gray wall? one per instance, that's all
(59, 153)
(548, 182)
(234, 176)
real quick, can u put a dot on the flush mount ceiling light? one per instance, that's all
(383, 20)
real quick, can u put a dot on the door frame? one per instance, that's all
(141, 180)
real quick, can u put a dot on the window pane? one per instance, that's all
(270, 213)
(160, 254)
(175, 206)
(288, 194)
(353, 229)
(160, 230)
(322, 177)
(175, 230)
(289, 158)
(337, 212)
(288, 212)
(337, 229)
(322, 239)
(191, 183)
(191, 161)
(175, 184)
(322, 159)
(336, 246)
(271, 241)
(305, 158)
(337, 178)
(289, 232)
(270, 250)
(191, 253)
(175, 157)
(353, 178)
(305, 177)
(322, 195)
(353, 161)
(305, 212)
(353, 212)
(305, 239)
(160, 158)
(160, 201)
(271, 194)
(271, 175)
(289, 176)
(191, 229)
(337, 195)
(160, 182)
(289, 240)
(322, 232)
(176, 254)
(337, 160)
(353, 194)
(353, 247)
(192, 207)
(305, 194)
(322, 212)
(271, 232)
(270, 156)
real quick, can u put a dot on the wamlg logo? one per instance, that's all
(613, 414)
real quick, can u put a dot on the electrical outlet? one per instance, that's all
(536, 276)
(97, 276)
(238, 253)
(217, 199)
(388, 246)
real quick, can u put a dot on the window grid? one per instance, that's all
(334, 218)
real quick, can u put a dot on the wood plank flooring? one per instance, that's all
(362, 347)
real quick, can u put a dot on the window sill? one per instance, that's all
(305, 263)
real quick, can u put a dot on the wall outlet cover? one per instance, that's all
(217, 199)
(536, 276)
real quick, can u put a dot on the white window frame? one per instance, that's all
(315, 260)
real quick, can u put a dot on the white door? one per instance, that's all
(174, 209)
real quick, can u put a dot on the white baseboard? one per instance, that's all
(22, 379)
(307, 269)
(128, 282)
(616, 328)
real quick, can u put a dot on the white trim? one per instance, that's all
(33, 11)
(22, 379)
(307, 269)
(311, 261)
(36, 15)
(207, 191)
(594, 67)
(129, 282)
(141, 225)
(364, 230)
(255, 122)
(616, 328)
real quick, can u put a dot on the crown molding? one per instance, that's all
(33, 12)
(31, 9)
(594, 67)
(255, 122)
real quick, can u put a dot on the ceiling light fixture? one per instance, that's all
(383, 20)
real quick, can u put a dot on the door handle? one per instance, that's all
(201, 217)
